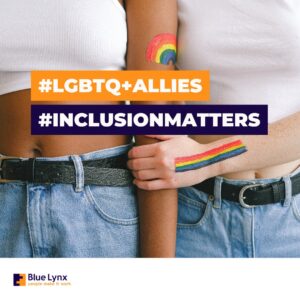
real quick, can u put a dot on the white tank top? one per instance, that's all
(59, 35)
(251, 47)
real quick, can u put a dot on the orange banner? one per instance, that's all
(153, 86)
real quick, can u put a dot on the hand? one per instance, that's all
(153, 166)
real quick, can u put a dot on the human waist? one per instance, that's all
(16, 138)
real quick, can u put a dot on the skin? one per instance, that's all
(158, 210)
(274, 155)
(16, 138)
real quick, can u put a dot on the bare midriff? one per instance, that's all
(16, 139)
(270, 172)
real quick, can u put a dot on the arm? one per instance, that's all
(158, 210)
(158, 219)
(282, 145)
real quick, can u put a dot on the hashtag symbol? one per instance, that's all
(45, 85)
(45, 120)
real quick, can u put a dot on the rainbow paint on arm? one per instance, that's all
(210, 157)
(162, 49)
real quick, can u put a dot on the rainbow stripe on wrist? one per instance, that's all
(210, 157)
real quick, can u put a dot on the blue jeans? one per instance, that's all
(209, 226)
(62, 220)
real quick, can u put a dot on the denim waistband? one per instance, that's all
(104, 153)
(219, 180)
(77, 160)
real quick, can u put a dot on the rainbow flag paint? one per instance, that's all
(162, 49)
(210, 157)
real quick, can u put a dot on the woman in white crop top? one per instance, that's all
(66, 217)
(252, 50)
(72, 196)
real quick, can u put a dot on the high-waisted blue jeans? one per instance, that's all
(210, 226)
(62, 220)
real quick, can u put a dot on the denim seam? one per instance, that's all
(29, 224)
(199, 194)
(202, 220)
(295, 209)
(88, 194)
(253, 233)
(191, 202)
(51, 235)
(192, 205)
(19, 183)
(46, 236)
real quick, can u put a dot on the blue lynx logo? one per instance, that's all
(19, 279)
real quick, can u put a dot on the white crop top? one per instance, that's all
(251, 47)
(59, 35)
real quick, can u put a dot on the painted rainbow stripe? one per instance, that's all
(210, 157)
(162, 49)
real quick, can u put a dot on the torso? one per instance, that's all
(15, 133)
(16, 138)
(252, 49)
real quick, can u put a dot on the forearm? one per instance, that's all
(158, 218)
(146, 20)
(158, 221)
(158, 215)
(280, 146)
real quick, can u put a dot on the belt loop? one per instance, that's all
(30, 169)
(218, 192)
(277, 195)
(288, 190)
(79, 173)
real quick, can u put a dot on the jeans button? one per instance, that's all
(211, 197)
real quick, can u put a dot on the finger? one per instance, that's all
(163, 137)
(153, 174)
(154, 185)
(143, 151)
(137, 164)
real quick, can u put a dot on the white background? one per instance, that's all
(157, 279)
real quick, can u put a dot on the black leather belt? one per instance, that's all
(251, 195)
(105, 172)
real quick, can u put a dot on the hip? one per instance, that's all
(211, 223)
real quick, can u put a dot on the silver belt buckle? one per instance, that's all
(242, 192)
